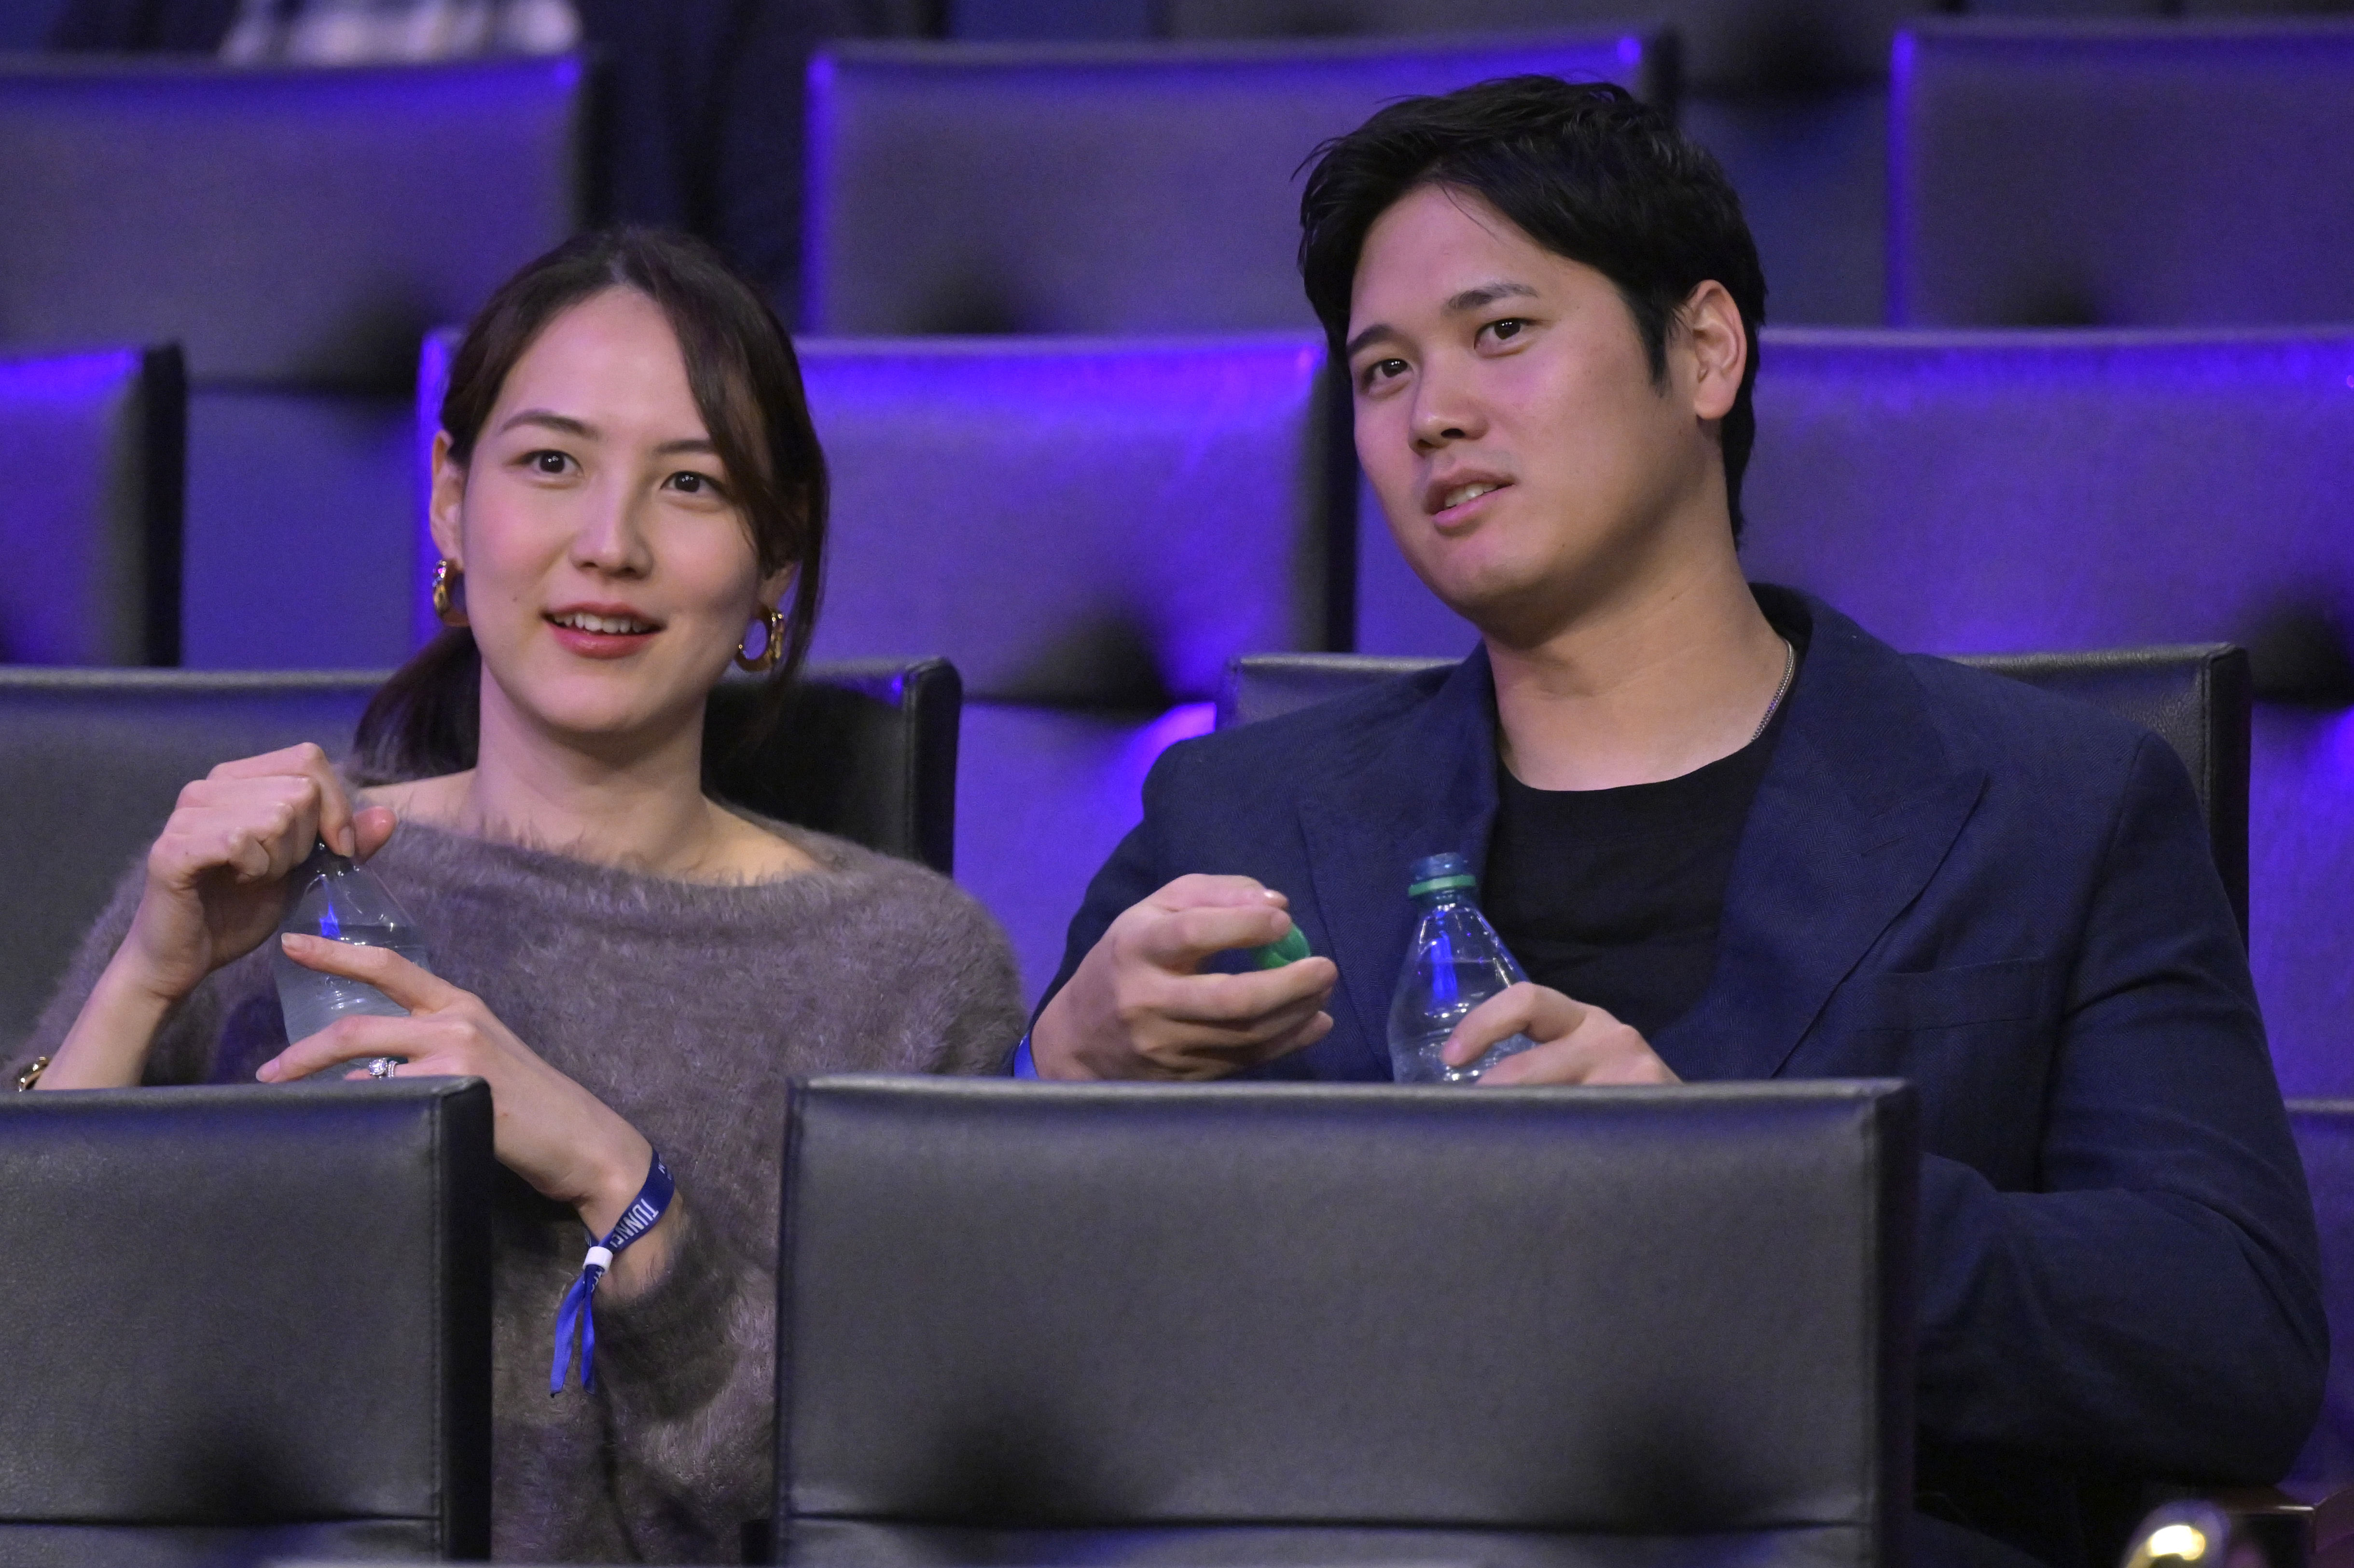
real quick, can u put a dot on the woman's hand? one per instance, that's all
(216, 876)
(1575, 1043)
(216, 887)
(568, 1143)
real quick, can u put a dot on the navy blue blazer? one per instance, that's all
(1948, 876)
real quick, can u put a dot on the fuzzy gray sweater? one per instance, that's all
(686, 1008)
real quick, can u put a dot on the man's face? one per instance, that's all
(1508, 420)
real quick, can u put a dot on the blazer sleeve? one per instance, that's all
(2157, 1301)
(1137, 868)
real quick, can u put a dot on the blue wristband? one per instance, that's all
(1025, 1065)
(636, 1220)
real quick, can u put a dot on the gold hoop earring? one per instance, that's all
(772, 650)
(449, 583)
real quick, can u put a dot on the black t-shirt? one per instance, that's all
(1612, 896)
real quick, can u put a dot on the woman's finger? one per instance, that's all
(306, 761)
(417, 1041)
(372, 826)
(415, 988)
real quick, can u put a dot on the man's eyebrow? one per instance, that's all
(548, 420)
(1487, 294)
(1468, 299)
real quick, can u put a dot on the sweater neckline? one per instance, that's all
(838, 862)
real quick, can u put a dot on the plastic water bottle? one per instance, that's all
(336, 898)
(1456, 962)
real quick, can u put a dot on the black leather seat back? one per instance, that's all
(2197, 697)
(867, 751)
(1027, 1323)
(2200, 700)
(1111, 188)
(2132, 167)
(91, 761)
(91, 458)
(247, 1322)
(292, 227)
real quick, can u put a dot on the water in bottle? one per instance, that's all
(1456, 963)
(343, 901)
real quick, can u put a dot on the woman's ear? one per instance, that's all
(448, 500)
(1720, 349)
(778, 584)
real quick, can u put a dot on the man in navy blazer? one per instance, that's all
(1846, 862)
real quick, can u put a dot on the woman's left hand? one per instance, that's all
(568, 1143)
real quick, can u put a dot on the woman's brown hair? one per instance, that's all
(747, 382)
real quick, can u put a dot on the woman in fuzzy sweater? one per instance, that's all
(627, 489)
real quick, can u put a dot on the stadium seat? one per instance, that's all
(91, 463)
(1249, 1323)
(2120, 174)
(297, 230)
(1723, 46)
(1107, 188)
(266, 1324)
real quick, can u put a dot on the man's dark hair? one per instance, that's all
(1585, 170)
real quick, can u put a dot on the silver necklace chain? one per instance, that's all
(1789, 669)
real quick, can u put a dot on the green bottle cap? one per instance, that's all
(1290, 949)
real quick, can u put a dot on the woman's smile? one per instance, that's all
(602, 632)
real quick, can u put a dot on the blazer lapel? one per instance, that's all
(1855, 814)
(1428, 789)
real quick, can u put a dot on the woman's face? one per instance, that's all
(609, 572)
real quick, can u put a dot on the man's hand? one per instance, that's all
(1576, 1043)
(1138, 1007)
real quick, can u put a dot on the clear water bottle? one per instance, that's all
(1456, 962)
(343, 901)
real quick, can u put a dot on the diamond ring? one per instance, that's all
(383, 1066)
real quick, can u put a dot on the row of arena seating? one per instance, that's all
(296, 230)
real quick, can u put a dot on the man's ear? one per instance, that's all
(1720, 349)
(448, 499)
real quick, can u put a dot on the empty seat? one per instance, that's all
(1026, 1323)
(297, 230)
(1109, 189)
(2150, 173)
(1723, 45)
(289, 227)
(91, 463)
(258, 1324)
